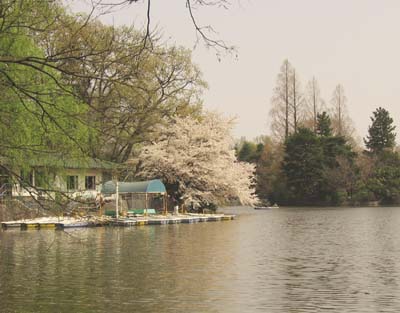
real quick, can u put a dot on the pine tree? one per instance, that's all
(247, 152)
(303, 166)
(381, 135)
(323, 127)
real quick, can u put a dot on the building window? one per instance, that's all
(72, 182)
(90, 182)
(27, 177)
(42, 178)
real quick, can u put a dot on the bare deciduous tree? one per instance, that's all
(287, 103)
(205, 34)
(280, 111)
(342, 124)
(297, 100)
(314, 104)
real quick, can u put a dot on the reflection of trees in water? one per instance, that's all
(313, 264)
(284, 260)
(111, 269)
(338, 261)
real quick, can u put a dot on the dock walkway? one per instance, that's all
(69, 222)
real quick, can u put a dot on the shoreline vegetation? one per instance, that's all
(314, 156)
(322, 169)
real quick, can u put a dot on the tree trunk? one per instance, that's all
(286, 101)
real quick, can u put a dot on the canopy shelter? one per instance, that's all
(150, 186)
(138, 197)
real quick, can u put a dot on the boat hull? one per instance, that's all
(265, 207)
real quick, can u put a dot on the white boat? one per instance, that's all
(72, 224)
(275, 206)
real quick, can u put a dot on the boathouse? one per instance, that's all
(77, 177)
(141, 197)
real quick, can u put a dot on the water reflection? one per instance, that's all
(283, 260)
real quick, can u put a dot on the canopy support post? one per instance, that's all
(116, 199)
(165, 204)
(145, 206)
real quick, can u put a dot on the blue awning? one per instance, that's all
(150, 186)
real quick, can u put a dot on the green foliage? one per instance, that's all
(317, 169)
(335, 146)
(381, 133)
(71, 86)
(148, 88)
(324, 128)
(39, 115)
(36, 118)
(322, 169)
(270, 180)
(249, 152)
(303, 166)
(384, 181)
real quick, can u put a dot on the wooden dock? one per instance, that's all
(123, 222)
(72, 224)
(11, 225)
(65, 223)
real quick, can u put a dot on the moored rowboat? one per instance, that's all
(265, 207)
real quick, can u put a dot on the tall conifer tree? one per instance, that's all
(381, 135)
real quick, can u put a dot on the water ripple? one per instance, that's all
(281, 260)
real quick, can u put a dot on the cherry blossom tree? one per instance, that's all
(196, 160)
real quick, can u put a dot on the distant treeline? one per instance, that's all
(313, 159)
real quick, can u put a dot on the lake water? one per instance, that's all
(280, 260)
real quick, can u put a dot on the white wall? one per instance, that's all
(60, 183)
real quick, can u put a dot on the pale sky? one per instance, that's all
(352, 42)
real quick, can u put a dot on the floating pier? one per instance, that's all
(214, 218)
(72, 224)
(123, 222)
(10, 225)
(153, 219)
(30, 226)
(142, 222)
(158, 221)
(174, 220)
